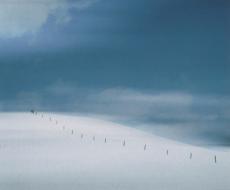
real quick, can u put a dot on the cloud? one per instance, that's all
(160, 107)
(138, 96)
(130, 104)
(19, 17)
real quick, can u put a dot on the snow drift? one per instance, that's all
(53, 151)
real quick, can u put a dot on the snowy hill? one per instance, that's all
(60, 152)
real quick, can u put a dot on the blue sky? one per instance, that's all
(149, 63)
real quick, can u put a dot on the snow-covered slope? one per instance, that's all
(58, 152)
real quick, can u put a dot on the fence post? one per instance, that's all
(145, 147)
(123, 143)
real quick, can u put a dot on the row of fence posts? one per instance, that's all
(105, 139)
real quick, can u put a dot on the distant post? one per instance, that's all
(123, 143)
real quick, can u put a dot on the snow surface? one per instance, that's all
(70, 153)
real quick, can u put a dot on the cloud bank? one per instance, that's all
(19, 17)
(124, 103)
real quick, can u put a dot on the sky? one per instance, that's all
(159, 65)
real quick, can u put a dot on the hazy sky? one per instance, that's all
(149, 61)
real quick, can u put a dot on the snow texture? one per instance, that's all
(44, 151)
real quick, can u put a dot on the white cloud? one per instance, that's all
(136, 96)
(18, 17)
